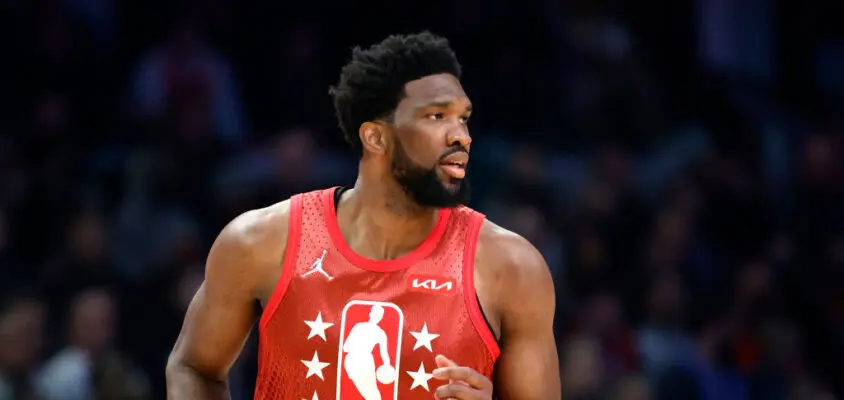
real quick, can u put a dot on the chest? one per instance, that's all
(345, 330)
(419, 310)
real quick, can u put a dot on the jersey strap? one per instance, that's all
(291, 252)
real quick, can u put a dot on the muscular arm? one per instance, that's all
(242, 260)
(527, 368)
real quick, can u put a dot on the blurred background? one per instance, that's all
(678, 163)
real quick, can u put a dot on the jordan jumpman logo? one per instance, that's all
(317, 267)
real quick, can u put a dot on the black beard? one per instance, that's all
(423, 185)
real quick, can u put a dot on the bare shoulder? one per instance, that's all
(510, 255)
(250, 248)
(511, 275)
(254, 229)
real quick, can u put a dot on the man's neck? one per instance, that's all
(381, 222)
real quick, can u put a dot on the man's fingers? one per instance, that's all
(462, 381)
(455, 391)
(465, 374)
(443, 361)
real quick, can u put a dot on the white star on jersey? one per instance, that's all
(318, 327)
(420, 377)
(315, 366)
(315, 397)
(423, 338)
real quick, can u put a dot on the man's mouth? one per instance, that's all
(455, 169)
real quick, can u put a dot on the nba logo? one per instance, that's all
(370, 350)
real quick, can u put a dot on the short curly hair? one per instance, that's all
(372, 83)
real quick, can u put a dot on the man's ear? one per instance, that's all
(373, 137)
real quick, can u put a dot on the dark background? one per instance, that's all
(678, 163)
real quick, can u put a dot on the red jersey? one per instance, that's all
(340, 326)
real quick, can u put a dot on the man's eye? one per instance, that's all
(436, 116)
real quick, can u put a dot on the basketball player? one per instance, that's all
(391, 289)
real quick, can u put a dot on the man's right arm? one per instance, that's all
(242, 262)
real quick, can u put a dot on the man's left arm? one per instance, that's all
(522, 294)
(527, 368)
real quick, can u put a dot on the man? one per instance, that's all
(462, 302)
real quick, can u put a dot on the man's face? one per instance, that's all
(432, 141)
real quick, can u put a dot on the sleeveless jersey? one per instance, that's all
(340, 326)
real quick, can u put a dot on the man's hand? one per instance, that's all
(464, 383)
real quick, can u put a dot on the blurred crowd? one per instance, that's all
(679, 164)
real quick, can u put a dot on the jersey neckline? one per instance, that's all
(405, 261)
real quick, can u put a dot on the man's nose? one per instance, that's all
(461, 137)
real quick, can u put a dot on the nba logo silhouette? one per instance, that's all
(370, 350)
